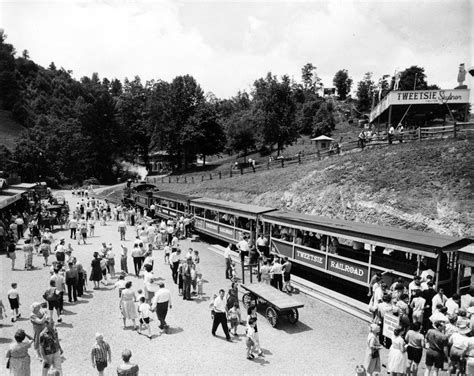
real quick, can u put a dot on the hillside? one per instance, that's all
(10, 130)
(425, 186)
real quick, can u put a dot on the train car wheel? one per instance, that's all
(247, 300)
(272, 316)
(293, 316)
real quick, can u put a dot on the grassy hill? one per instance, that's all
(10, 130)
(425, 186)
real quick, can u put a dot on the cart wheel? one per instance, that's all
(247, 300)
(293, 316)
(271, 316)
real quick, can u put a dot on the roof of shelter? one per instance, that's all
(390, 236)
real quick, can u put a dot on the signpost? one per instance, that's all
(390, 322)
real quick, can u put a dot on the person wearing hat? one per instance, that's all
(17, 355)
(458, 343)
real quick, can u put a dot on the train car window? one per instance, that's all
(211, 215)
(287, 234)
(199, 212)
(275, 231)
(172, 204)
(224, 218)
(180, 207)
(243, 223)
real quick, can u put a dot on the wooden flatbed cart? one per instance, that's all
(278, 303)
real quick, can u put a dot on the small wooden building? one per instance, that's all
(322, 143)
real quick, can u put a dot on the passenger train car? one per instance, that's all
(340, 250)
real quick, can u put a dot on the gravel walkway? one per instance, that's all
(325, 341)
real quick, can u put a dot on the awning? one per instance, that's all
(466, 255)
(8, 200)
(23, 186)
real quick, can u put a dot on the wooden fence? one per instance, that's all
(456, 130)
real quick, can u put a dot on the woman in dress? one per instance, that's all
(372, 363)
(127, 368)
(96, 272)
(28, 250)
(397, 357)
(127, 304)
(18, 355)
(148, 279)
(38, 319)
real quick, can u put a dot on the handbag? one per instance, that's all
(375, 354)
(8, 363)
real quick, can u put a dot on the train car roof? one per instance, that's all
(389, 236)
(213, 204)
(174, 196)
(143, 186)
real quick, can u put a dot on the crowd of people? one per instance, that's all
(427, 322)
(68, 279)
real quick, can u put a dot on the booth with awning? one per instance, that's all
(9, 196)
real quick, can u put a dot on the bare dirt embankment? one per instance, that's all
(425, 186)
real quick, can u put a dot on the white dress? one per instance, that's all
(397, 359)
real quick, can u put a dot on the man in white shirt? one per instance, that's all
(73, 227)
(19, 226)
(122, 228)
(262, 245)
(277, 271)
(220, 315)
(244, 249)
(174, 259)
(439, 298)
(161, 302)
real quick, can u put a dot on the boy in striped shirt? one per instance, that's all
(100, 354)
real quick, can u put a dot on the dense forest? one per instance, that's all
(82, 129)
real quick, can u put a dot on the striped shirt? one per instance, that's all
(100, 351)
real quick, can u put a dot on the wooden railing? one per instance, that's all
(456, 130)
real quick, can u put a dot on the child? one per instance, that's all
(199, 284)
(250, 338)
(234, 317)
(120, 284)
(45, 250)
(144, 312)
(14, 299)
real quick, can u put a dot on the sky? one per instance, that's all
(227, 45)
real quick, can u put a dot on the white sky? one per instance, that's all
(227, 45)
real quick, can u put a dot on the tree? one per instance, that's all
(343, 83)
(305, 115)
(413, 78)
(311, 81)
(212, 137)
(9, 86)
(274, 109)
(241, 132)
(365, 90)
(323, 122)
(185, 97)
